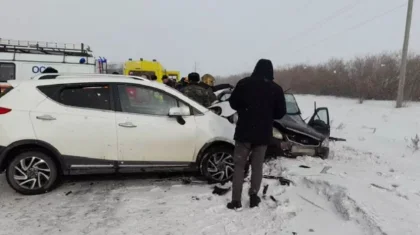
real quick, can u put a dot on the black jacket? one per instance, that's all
(258, 101)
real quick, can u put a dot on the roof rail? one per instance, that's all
(78, 75)
(42, 47)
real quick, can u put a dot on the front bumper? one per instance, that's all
(282, 148)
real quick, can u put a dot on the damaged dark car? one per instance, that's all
(292, 136)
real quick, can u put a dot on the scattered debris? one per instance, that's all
(336, 139)
(68, 193)
(220, 191)
(371, 128)
(325, 169)
(303, 166)
(283, 181)
(273, 199)
(265, 191)
(195, 198)
(312, 203)
(381, 187)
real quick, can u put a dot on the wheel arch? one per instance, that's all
(212, 144)
(17, 147)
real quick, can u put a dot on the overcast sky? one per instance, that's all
(222, 36)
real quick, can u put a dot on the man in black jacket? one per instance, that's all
(258, 101)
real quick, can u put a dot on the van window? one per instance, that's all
(148, 74)
(7, 71)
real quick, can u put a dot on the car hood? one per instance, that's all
(296, 124)
(290, 122)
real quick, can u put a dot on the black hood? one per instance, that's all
(264, 69)
(294, 123)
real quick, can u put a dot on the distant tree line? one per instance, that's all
(370, 77)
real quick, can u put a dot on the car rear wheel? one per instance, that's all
(217, 165)
(32, 173)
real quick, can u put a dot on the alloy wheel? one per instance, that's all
(32, 173)
(220, 166)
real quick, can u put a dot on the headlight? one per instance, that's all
(325, 143)
(277, 134)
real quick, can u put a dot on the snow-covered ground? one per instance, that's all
(372, 187)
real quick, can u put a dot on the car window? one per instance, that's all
(291, 104)
(89, 96)
(322, 115)
(7, 72)
(142, 100)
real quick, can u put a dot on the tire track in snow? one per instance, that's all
(345, 206)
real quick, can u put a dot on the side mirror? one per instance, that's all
(179, 111)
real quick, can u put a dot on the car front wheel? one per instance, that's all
(217, 165)
(32, 173)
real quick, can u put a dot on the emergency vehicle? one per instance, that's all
(22, 60)
(148, 68)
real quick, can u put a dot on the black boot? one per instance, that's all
(235, 205)
(254, 200)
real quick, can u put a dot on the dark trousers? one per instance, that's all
(240, 158)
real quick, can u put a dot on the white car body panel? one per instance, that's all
(76, 131)
(92, 133)
(155, 138)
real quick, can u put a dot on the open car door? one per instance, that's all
(320, 121)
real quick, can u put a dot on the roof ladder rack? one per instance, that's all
(40, 47)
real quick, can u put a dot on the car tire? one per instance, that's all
(32, 173)
(325, 154)
(224, 156)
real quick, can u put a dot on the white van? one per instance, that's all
(22, 60)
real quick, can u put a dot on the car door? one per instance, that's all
(145, 131)
(320, 121)
(78, 120)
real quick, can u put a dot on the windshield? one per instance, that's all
(291, 104)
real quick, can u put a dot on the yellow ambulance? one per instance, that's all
(148, 68)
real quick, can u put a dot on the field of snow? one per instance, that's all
(372, 187)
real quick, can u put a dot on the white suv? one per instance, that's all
(85, 124)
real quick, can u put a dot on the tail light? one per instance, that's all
(4, 110)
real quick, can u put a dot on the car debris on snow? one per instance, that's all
(381, 187)
(313, 203)
(325, 169)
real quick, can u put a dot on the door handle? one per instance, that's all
(46, 118)
(127, 124)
